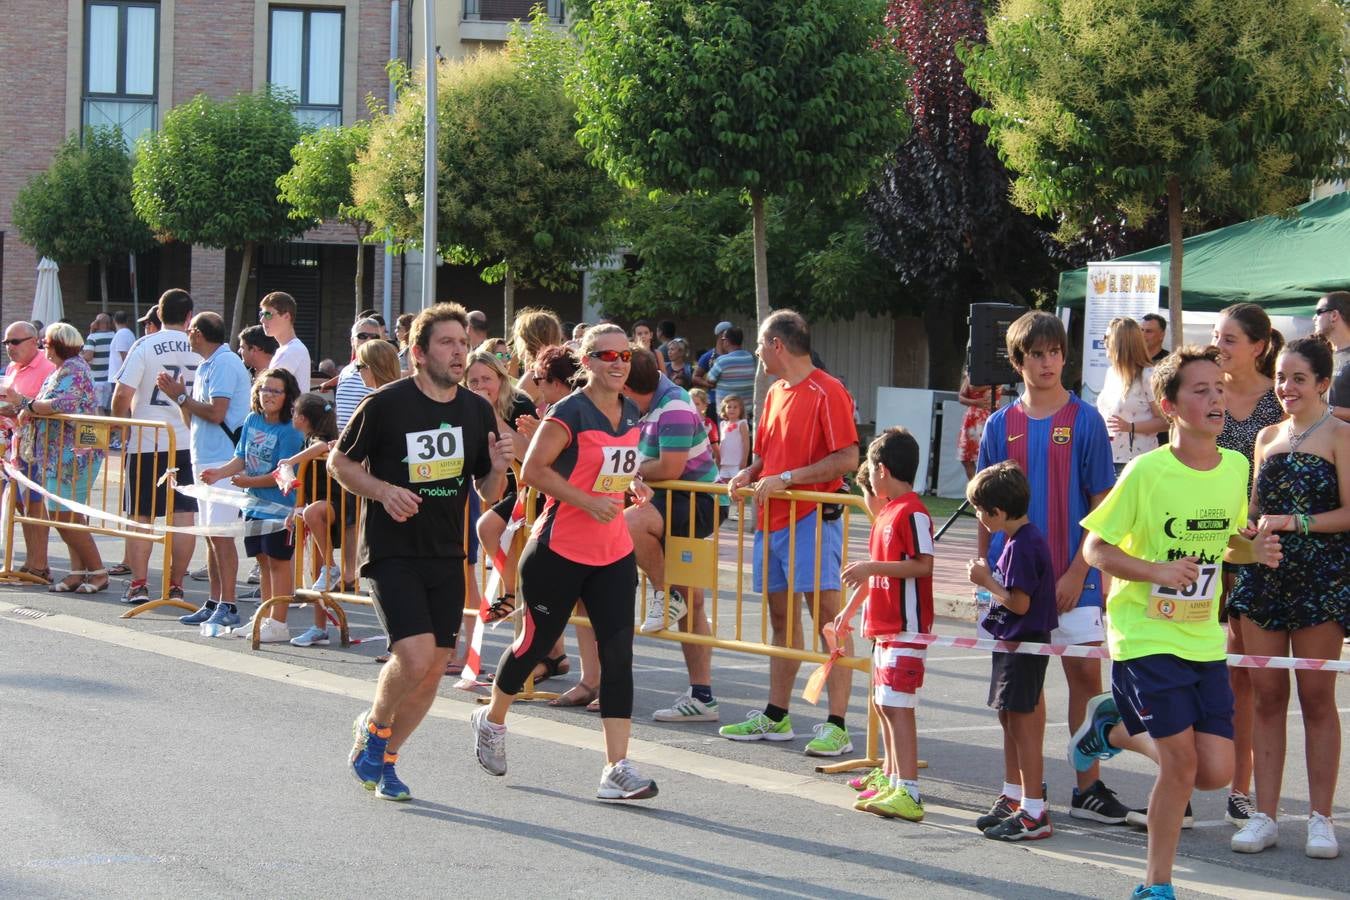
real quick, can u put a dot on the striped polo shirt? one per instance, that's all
(734, 373)
(100, 343)
(672, 423)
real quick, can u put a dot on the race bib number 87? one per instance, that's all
(1188, 605)
(617, 468)
(435, 455)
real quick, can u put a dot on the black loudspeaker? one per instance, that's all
(987, 355)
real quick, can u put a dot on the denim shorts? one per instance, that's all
(804, 568)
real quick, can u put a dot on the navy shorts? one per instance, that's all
(276, 544)
(1164, 695)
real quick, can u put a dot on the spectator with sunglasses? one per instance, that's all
(276, 314)
(27, 370)
(351, 387)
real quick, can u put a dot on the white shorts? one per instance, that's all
(1081, 625)
(215, 513)
(897, 673)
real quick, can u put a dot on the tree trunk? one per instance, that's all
(103, 283)
(236, 315)
(360, 273)
(509, 302)
(1174, 237)
(762, 310)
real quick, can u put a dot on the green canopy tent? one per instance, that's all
(1283, 263)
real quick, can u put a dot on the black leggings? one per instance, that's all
(550, 586)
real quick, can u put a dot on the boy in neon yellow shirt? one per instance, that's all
(1161, 534)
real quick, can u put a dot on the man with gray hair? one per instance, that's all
(27, 369)
(478, 329)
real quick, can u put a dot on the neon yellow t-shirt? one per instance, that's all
(1162, 510)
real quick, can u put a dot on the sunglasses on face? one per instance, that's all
(265, 314)
(272, 391)
(1319, 311)
(365, 336)
(14, 342)
(538, 379)
(503, 356)
(361, 367)
(609, 356)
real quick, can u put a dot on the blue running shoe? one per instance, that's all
(223, 617)
(201, 615)
(391, 787)
(1155, 891)
(1089, 743)
(369, 763)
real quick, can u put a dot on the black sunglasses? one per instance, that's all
(1316, 312)
(365, 336)
(610, 356)
(14, 342)
(361, 367)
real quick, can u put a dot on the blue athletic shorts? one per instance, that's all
(804, 575)
(1164, 695)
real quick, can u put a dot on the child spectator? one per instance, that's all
(735, 437)
(266, 439)
(1161, 535)
(1023, 588)
(699, 397)
(899, 590)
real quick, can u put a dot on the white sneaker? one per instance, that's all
(255, 577)
(687, 709)
(314, 636)
(1321, 838)
(329, 579)
(1259, 833)
(622, 781)
(273, 632)
(656, 611)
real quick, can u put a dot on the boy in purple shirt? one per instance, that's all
(1023, 587)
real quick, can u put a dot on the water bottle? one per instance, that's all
(983, 600)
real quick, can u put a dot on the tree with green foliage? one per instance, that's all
(762, 97)
(1105, 105)
(319, 185)
(79, 210)
(209, 176)
(515, 194)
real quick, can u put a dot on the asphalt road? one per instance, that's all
(144, 760)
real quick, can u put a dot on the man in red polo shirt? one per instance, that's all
(28, 368)
(806, 440)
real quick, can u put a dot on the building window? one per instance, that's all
(121, 66)
(510, 10)
(305, 58)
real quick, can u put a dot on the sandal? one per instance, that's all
(65, 587)
(89, 587)
(44, 574)
(553, 667)
(502, 609)
(576, 695)
(119, 569)
(382, 658)
(593, 706)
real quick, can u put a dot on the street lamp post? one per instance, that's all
(429, 164)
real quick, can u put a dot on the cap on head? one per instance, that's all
(721, 327)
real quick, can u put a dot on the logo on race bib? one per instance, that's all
(1189, 605)
(618, 466)
(435, 455)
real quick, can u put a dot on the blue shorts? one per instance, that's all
(79, 490)
(804, 574)
(1164, 695)
(276, 544)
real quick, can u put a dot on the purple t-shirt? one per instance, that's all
(1025, 565)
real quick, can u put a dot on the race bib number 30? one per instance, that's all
(1189, 605)
(617, 469)
(435, 455)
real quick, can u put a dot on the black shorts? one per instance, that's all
(276, 544)
(504, 506)
(1164, 695)
(415, 595)
(1017, 679)
(707, 513)
(143, 496)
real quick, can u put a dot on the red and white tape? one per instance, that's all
(1236, 660)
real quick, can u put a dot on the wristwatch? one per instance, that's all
(181, 398)
(786, 477)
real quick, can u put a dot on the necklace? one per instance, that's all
(1295, 440)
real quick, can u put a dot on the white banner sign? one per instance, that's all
(1114, 289)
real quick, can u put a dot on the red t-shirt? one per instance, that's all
(901, 531)
(802, 424)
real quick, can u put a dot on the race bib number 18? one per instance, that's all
(435, 455)
(617, 468)
(1189, 605)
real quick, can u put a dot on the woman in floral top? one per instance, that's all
(51, 447)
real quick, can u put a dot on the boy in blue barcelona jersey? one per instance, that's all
(1061, 444)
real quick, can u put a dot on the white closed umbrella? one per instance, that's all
(47, 306)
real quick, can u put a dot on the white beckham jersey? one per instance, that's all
(164, 351)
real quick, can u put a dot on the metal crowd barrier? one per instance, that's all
(105, 500)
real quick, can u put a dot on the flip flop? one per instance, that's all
(577, 695)
(119, 569)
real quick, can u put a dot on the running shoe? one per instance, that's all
(622, 781)
(1003, 807)
(224, 617)
(688, 709)
(369, 763)
(360, 730)
(1154, 892)
(874, 785)
(202, 574)
(137, 592)
(865, 780)
(657, 619)
(897, 804)
(255, 576)
(329, 579)
(1089, 743)
(314, 636)
(255, 594)
(1321, 838)
(1259, 833)
(273, 632)
(1022, 827)
(1139, 818)
(830, 740)
(201, 615)
(1240, 809)
(759, 727)
(391, 787)
(864, 804)
(1099, 804)
(489, 742)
